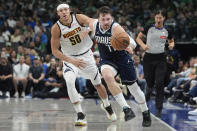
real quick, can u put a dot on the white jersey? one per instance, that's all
(70, 41)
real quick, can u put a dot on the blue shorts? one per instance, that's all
(124, 65)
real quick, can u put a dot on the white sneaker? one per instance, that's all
(16, 95)
(112, 127)
(23, 94)
(7, 94)
(195, 99)
(194, 112)
(110, 113)
(81, 120)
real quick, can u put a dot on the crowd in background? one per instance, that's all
(27, 67)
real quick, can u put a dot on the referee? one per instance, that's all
(154, 61)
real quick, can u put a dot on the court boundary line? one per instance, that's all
(163, 122)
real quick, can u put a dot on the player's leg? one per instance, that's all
(108, 73)
(140, 98)
(70, 77)
(91, 72)
(106, 106)
(128, 77)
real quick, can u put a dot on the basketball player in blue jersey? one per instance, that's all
(114, 62)
(69, 34)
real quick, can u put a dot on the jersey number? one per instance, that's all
(75, 39)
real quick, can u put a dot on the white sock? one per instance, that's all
(106, 102)
(121, 100)
(143, 107)
(77, 107)
(138, 95)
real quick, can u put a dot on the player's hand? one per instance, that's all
(145, 47)
(130, 50)
(84, 33)
(79, 63)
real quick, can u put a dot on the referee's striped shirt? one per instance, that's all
(156, 38)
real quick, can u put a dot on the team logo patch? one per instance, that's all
(163, 37)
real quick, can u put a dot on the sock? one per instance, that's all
(106, 102)
(77, 107)
(143, 107)
(121, 100)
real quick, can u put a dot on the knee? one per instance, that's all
(70, 78)
(108, 77)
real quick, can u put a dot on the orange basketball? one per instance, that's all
(120, 41)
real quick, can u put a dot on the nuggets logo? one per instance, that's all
(71, 33)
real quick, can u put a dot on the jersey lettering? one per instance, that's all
(71, 33)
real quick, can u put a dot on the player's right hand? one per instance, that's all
(79, 63)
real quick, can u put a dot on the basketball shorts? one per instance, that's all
(122, 65)
(89, 72)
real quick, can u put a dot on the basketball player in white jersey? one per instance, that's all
(69, 34)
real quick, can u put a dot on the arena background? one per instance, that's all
(25, 30)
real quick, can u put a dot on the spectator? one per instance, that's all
(20, 51)
(36, 76)
(47, 60)
(41, 40)
(50, 77)
(15, 38)
(20, 76)
(12, 59)
(140, 73)
(5, 77)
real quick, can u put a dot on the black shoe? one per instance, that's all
(129, 114)
(146, 119)
(158, 114)
(109, 111)
(81, 120)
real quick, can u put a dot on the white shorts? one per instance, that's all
(89, 72)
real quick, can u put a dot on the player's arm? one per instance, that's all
(55, 44)
(86, 21)
(119, 28)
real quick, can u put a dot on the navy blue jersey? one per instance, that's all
(120, 60)
(103, 41)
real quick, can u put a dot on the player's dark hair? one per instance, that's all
(104, 10)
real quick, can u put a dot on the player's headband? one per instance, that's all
(62, 6)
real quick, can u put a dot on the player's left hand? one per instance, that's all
(84, 33)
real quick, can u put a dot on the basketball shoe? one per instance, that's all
(110, 113)
(81, 119)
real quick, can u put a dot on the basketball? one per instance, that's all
(120, 41)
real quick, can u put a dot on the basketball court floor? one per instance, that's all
(59, 115)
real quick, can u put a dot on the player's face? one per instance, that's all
(105, 21)
(159, 19)
(64, 14)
